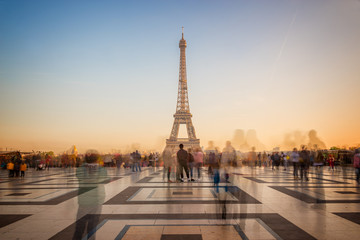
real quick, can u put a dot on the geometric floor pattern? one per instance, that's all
(258, 203)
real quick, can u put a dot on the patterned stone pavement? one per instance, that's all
(111, 203)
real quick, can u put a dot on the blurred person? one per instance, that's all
(191, 163)
(252, 157)
(17, 163)
(199, 159)
(331, 161)
(156, 160)
(47, 161)
(10, 167)
(136, 161)
(276, 160)
(357, 164)
(295, 160)
(319, 159)
(182, 160)
(264, 159)
(23, 169)
(304, 163)
(312, 158)
(90, 172)
(318, 163)
(259, 159)
(168, 163)
(228, 156)
(212, 162)
(285, 160)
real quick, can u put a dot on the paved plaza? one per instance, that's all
(258, 203)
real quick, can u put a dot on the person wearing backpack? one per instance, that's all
(357, 165)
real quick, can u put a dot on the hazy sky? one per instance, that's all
(104, 74)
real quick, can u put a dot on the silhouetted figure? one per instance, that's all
(182, 159)
(314, 141)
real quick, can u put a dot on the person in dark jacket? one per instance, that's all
(182, 159)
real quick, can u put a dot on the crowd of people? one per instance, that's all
(179, 162)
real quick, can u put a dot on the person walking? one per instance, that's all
(182, 159)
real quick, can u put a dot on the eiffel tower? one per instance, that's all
(182, 115)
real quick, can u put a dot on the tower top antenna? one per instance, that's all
(182, 29)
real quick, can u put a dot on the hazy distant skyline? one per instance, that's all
(104, 74)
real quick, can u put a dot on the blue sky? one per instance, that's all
(103, 74)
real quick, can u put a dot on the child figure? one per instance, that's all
(23, 169)
(10, 167)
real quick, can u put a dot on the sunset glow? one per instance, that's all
(104, 75)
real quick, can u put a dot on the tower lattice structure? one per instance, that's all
(182, 115)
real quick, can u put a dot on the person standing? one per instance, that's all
(264, 159)
(23, 169)
(304, 163)
(17, 163)
(285, 160)
(295, 161)
(182, 158)
(259, 159)
(357, 165)
(47, 162)
(137, 160)
(331, 161)
(212, 163)
(167, 158)
(10, 167)
(277, 160)
(191, 164)
(319, 160)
